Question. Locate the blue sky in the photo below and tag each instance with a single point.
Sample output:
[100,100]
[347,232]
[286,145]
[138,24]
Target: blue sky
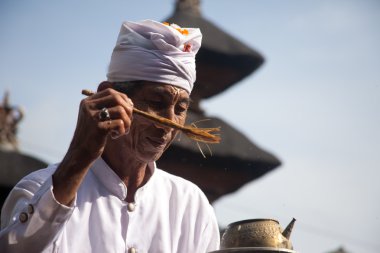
[315,103]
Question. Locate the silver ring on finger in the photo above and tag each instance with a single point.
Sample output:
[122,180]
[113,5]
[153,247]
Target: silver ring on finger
[104,115]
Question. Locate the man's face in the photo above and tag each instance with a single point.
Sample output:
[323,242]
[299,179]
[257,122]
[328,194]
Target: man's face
[147,140]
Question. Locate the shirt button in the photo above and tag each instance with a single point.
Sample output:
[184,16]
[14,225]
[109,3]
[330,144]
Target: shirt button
[132,250]
[30,209]
[23,217]
[131,207]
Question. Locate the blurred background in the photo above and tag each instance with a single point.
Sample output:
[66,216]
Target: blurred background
[314,103]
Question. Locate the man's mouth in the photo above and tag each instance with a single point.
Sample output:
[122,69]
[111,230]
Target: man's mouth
[156,141]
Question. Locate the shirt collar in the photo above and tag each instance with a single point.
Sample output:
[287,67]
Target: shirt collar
[112,182]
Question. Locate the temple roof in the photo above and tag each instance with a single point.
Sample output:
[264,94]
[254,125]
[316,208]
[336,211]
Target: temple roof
[223,60]
[234,162]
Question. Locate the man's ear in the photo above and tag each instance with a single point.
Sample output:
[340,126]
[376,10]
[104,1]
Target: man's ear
[104,85]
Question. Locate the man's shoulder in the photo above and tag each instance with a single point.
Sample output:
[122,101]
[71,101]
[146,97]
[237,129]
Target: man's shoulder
[38,176]
[180,185]
[164,175]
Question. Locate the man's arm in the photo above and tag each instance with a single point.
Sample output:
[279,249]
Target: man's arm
[53,199]
[211,234]
[31,218]
[90,139]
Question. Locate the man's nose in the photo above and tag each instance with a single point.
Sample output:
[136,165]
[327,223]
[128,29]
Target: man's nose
[169,114]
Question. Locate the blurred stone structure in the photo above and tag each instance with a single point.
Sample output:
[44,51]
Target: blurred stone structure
[221,62]
[339,250]
[13,164]
[9,118]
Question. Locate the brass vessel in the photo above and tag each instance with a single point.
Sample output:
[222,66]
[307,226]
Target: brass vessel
[263,233]
[254,250]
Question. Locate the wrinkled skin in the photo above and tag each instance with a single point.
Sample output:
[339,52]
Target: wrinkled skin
[139,140]
[146,140]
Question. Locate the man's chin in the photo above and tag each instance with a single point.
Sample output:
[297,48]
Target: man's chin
[151,156]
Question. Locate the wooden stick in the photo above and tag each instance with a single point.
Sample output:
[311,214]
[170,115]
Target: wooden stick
[198,134]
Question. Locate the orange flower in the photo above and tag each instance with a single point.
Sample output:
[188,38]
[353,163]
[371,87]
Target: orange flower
[183,31]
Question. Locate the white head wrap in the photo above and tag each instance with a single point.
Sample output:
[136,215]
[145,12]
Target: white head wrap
[154,51]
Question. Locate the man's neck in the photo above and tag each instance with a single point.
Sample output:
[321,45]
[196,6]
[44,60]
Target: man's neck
[132,172]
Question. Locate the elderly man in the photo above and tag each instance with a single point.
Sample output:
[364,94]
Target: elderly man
[107,194]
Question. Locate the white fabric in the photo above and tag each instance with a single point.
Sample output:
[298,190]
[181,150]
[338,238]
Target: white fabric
[152,51]
[171,215]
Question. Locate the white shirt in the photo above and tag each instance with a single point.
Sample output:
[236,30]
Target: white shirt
[170,214]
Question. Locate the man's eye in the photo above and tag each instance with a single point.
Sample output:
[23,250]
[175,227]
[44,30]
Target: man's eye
[180,109]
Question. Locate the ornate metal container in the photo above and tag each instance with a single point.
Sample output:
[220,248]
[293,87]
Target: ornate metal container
[254,250]
[263,233]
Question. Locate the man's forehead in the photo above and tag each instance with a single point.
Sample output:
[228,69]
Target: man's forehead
[155,87]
